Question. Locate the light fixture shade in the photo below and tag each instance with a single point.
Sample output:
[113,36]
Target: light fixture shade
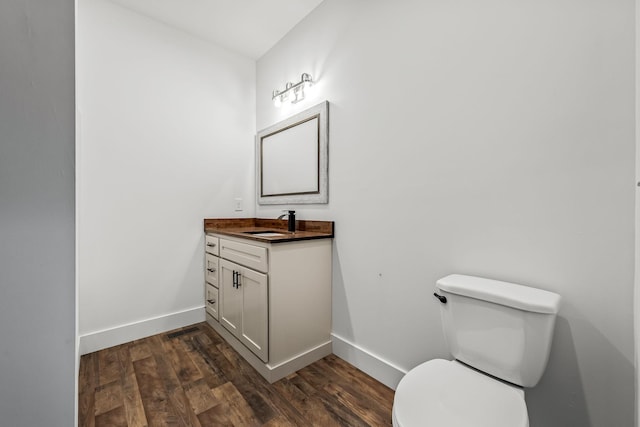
[298,94]
[276,98]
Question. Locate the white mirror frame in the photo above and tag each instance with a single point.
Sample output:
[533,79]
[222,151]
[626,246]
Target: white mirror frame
[316,157]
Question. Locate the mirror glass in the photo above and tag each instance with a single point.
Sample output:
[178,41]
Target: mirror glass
[292,159]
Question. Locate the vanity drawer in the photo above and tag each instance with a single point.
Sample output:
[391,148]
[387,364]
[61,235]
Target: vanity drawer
[211,301]
[211,269]
[251,256]
[211,244]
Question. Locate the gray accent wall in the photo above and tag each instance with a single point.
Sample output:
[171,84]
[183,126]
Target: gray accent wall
[37,213]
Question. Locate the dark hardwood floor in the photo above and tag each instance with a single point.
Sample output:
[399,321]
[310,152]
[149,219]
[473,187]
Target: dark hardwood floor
[192,377]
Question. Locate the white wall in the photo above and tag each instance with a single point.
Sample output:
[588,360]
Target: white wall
[167,125]
[493,138]
[37,280]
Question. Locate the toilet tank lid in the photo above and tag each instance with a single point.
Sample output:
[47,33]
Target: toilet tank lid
[509,294]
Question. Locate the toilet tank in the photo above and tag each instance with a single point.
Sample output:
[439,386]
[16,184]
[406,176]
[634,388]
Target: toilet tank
[500,328]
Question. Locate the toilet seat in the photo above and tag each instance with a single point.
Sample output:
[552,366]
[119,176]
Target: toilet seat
[443,393]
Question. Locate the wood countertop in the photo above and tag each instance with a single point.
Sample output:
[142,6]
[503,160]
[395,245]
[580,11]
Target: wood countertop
[242,227]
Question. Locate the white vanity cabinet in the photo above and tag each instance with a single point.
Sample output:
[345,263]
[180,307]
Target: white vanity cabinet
[274,301]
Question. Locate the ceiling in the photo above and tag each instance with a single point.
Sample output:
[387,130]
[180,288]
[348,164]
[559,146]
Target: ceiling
[249,27]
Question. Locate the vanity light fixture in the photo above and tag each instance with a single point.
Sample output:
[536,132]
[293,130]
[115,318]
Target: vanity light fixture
[293,92]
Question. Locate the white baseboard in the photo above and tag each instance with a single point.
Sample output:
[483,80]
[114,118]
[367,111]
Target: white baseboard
[106,338]
[385,372]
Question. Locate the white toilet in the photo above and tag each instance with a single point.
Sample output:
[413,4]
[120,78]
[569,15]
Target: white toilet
[499,334]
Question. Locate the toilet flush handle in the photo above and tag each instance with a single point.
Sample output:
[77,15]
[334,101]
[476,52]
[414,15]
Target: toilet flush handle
[442,299]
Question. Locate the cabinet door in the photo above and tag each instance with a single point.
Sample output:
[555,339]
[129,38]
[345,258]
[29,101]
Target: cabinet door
[243,307]
[230,306]
[255,313]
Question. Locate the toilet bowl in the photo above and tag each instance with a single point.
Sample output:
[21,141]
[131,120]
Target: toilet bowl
[499,335]
[446,393]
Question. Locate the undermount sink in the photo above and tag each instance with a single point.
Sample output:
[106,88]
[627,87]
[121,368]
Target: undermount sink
[264,233]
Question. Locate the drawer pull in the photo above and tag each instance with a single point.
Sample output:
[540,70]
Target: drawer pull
[211,270]
[211,245]
[211,301]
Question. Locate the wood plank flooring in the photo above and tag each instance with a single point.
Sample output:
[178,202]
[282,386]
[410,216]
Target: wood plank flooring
[192,377]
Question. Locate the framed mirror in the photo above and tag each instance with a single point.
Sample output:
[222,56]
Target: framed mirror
[292,159]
